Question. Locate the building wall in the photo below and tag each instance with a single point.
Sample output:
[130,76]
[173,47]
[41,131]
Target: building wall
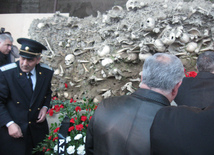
[18,24]
[78,8]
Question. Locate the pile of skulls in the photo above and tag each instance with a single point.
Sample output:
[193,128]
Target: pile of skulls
[99,57]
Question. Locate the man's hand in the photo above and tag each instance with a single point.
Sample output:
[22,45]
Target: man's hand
[42,115]
[15,131]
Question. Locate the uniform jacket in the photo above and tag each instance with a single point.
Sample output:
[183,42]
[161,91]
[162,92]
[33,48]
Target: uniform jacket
[121,125]
[197,91]
[183,131]
[17,103]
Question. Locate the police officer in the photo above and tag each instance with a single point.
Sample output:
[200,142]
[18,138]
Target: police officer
[25,96]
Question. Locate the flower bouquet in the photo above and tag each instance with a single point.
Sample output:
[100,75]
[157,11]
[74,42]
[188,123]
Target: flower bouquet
[79,114]
[190,73]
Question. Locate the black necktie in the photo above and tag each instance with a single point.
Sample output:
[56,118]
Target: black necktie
[30,80]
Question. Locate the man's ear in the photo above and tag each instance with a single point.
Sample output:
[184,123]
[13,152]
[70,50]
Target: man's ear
[175,89]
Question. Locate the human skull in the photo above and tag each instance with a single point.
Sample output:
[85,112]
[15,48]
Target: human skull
[149,24]
[191,47]
[106,61]
[168,38]
[40,25]
[143,56]
[104,50]
[184,38]
[69,59]
[134,4]
[159,46]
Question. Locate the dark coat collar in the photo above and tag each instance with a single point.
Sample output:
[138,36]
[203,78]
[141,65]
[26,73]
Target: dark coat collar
[152,96]
[205,75]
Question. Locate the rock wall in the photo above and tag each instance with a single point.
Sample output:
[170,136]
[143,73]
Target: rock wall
[102,56]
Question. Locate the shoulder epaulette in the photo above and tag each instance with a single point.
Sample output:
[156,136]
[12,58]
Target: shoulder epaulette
[8,67]
[46,66]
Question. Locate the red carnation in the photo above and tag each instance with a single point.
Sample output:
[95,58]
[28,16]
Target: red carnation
[83,118]
[51,112]
[50,137]
[57,108]
[90,117]
[191,74]
[55,139]
[66,86]
[71,128]
[54,98]
[56,130]
[71,100]
[77,108]
[79,127]
[72,120]
[95,107]
[61,106]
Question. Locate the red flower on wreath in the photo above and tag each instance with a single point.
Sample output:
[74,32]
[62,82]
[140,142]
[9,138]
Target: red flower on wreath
[71,100]
[77,108]
[55,139]
[191,74]
[90,118]
[51,112]
[71,128]
[66,86]
[56,130]
[50,137]
[54,98]
[79,127]
[61,106]
[72,120]
[83,118]
[57,108]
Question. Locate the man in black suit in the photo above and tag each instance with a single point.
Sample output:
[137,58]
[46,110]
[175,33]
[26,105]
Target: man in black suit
[7,55]
[198,91]
[121,125]
[183,130]
[25,96]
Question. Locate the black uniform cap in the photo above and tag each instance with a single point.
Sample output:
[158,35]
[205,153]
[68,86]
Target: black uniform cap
[30,48]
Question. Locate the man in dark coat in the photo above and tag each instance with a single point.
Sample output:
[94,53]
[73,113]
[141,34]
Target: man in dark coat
[121,125]
[6,43]
[198,91]
[24,100]
[183,130]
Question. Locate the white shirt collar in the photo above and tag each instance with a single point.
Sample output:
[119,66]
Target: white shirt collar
[33,71]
